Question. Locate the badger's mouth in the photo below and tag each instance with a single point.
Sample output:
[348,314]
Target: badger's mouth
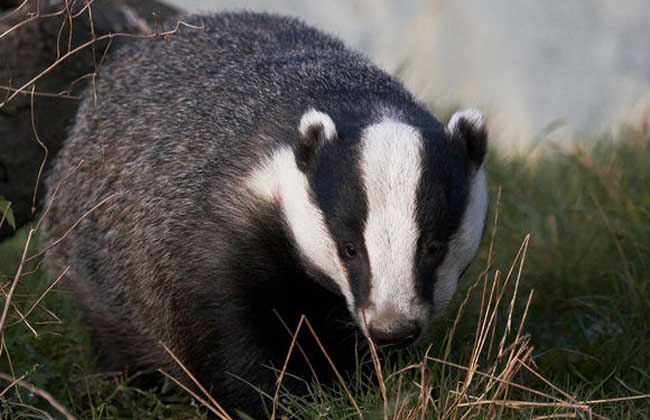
[389,330]
[396,339]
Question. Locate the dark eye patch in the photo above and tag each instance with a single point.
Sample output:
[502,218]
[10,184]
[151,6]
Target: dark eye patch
[433,251]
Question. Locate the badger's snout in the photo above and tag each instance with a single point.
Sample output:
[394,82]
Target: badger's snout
[390,327]
[401,334]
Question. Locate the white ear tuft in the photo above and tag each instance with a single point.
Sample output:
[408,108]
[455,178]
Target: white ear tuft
[468,126]
[472,116]
[313,119]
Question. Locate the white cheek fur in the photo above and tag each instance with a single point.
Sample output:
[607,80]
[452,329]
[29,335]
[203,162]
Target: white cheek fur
[278,179]
[464,243]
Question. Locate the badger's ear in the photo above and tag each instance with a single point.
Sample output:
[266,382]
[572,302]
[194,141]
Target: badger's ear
[315,128]
[468,126]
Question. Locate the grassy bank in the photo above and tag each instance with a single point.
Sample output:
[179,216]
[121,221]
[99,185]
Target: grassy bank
[577,224]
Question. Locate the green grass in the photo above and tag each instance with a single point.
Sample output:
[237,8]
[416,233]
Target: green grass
[588,263]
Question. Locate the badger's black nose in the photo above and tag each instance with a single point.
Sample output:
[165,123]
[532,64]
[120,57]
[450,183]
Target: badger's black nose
[400,335]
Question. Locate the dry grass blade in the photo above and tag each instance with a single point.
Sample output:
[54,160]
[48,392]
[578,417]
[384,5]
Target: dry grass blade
[57,95]
[24,22]
[193,394]
[488,318]
[41,144]
[40,298]
[26,322]
[11,385]
[482,277]
[617,399]
[41,393]
[276,396]
[15,10]
[5,213]
[88,44]
[14,283]
[378,370]
[571,415]
[71,228]
[496,378]
[54,193]
[336,371]
[548,383]
[522,258]
[216,406]
[300,349]
[10,363]
[425,390]
[518,404]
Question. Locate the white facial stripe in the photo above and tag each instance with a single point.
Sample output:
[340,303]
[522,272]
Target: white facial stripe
[312,118]
[279,179]
[391,168]
[464,243]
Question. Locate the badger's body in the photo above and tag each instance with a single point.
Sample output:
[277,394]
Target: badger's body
[254,171]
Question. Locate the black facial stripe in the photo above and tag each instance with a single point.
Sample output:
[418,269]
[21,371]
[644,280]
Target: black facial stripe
[442,198]
[337,183]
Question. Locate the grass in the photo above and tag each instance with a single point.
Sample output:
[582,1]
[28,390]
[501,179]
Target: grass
[586,335]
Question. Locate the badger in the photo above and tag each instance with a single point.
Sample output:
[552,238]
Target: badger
[219,184]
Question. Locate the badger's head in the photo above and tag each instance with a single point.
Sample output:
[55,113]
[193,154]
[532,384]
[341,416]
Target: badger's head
[389,214]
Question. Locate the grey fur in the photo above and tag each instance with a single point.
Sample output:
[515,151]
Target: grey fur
[178,124]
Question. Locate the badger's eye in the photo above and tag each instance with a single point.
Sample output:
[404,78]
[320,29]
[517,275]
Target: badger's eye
[434,249]
[349,251]
[435,246]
